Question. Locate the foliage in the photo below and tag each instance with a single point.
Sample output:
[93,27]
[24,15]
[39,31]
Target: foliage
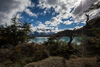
[55,38]
[65,52]
[90,46]
[57,47]
[14,34]
[23,54]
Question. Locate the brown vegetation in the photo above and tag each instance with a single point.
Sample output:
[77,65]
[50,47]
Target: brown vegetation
[61,62]
[49,62]
[83,62]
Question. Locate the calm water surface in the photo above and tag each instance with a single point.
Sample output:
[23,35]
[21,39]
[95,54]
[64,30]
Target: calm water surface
[39,40]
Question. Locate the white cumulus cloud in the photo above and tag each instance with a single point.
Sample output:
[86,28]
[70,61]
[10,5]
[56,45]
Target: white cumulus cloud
[9,8]
[30,13]
[64,7]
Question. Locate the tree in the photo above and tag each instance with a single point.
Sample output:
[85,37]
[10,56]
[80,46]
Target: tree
[71,37]
[15,33]
[87,18]
[55,37]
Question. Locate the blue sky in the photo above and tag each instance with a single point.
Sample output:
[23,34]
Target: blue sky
[43,17]
[54,15]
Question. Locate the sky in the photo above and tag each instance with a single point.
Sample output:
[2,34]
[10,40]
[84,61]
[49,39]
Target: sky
[48,15]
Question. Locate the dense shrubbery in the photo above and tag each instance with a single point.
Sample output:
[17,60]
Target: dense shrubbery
[58,48]
[23,54]
[26,53]
[90,46]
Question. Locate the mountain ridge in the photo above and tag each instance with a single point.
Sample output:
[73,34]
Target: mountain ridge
[85,30]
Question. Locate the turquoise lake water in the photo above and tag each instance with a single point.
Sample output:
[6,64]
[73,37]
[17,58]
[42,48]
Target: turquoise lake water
[39,40]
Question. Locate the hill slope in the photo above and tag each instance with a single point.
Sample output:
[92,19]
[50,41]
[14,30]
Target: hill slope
[86,30]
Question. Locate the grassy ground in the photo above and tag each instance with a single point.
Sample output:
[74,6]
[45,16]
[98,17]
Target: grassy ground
[61,62]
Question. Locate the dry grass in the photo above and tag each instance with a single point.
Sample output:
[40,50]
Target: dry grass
[56,62]
[61,62]
[49,62]
[82,62]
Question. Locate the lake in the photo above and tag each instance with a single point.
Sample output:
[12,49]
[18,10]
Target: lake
[39,40]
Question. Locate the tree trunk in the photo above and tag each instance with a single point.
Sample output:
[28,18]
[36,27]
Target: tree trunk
[70,41]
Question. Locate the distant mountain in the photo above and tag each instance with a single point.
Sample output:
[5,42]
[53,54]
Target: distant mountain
[42,34]
[86,30]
